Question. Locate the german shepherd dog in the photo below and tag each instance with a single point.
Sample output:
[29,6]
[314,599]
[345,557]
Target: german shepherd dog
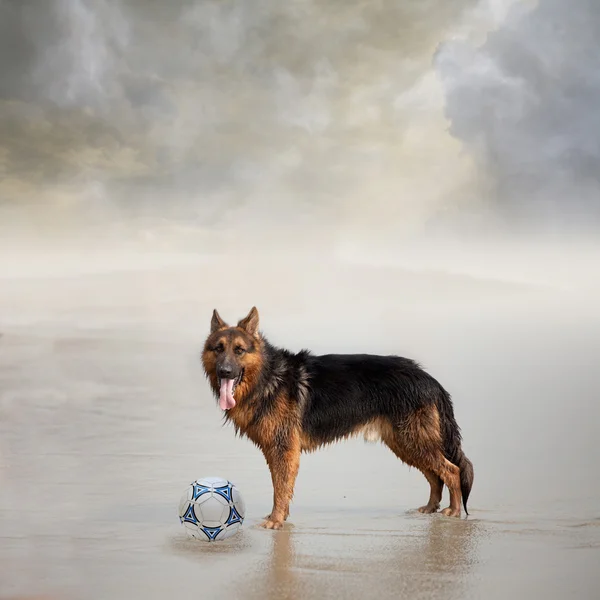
[290,403]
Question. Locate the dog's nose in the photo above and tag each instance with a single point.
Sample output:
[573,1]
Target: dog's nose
[225,372]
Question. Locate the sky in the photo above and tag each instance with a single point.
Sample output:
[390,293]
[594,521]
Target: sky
[351,120]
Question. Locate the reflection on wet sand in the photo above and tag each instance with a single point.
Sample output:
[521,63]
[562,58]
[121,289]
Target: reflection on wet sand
[280,576]
[431,553]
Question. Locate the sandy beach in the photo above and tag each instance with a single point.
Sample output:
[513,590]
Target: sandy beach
[105,418]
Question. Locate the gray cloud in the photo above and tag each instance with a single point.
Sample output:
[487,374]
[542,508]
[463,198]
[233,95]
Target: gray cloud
[197,109]
[527,104]
[245,93]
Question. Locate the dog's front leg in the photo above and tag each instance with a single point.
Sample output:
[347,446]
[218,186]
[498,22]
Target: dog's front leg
[283,460]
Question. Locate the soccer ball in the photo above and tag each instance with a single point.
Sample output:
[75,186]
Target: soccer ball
[211,509]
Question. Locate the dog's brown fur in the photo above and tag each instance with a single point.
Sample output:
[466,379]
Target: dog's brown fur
[275,402]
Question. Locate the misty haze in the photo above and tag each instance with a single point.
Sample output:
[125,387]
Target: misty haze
[419,178]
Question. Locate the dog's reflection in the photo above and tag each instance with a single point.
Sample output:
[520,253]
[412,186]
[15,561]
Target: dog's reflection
[370,565]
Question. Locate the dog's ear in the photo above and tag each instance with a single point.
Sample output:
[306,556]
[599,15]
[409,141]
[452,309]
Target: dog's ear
[250,323]
[216,322]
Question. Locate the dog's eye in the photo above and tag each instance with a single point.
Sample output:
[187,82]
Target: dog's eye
[219,348]
[239,350]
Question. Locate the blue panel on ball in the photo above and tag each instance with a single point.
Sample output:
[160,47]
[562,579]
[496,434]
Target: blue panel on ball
[211,532]
[199,490]
[224,491]
[190,516]
[233,517]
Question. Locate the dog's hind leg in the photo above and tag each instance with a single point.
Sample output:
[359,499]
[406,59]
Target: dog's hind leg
[450,475]
[435,481]
[417,441]
[435,496]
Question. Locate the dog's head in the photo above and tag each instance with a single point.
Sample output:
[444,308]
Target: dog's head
[232,357]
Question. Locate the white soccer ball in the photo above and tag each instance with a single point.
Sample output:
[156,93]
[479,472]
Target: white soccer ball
[211,509]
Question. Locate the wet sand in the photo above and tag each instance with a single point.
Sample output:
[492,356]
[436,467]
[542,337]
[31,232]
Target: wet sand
[105,418]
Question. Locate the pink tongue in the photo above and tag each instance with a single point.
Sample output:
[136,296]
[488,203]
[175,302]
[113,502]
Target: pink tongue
[226,400]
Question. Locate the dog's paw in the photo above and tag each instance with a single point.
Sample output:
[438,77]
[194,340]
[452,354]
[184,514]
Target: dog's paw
[270,523]
[450,512]
[268,517]
[428,509]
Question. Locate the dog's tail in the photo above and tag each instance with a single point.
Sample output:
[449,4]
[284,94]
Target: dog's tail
[453,446]
[466,477]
